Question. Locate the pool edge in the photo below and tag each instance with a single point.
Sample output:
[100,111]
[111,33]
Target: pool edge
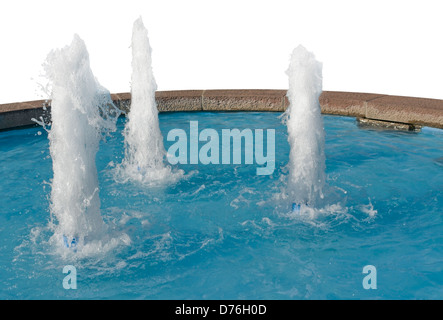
[381,107]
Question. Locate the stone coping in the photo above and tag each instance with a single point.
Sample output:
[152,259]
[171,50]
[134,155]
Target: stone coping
[372,106]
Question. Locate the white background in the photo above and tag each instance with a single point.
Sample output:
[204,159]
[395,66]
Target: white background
[390,47]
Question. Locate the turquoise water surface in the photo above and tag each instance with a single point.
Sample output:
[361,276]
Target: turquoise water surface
[223,232]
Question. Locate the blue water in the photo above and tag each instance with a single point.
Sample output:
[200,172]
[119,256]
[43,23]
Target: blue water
[223,233]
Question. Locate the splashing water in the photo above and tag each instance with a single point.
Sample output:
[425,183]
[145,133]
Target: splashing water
[144,149]
[305,130]
[82,113]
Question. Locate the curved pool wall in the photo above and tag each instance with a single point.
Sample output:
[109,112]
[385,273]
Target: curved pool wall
[398,111]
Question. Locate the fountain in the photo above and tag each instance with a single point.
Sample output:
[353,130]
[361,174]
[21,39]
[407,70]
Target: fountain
[305,130]
[144,149]
[82,113]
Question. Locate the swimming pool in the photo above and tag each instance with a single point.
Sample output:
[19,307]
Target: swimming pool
[222,232]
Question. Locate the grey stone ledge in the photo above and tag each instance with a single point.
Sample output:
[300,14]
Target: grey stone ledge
[388,108]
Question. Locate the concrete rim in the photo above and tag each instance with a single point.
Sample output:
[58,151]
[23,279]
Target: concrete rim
[372,106]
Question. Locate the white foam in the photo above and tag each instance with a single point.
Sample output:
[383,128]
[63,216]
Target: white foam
[369,209]
[82,113]
[144,149]
[306,177]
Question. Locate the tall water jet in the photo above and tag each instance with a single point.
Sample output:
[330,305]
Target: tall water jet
[144,149]
[305,130]
[82,112]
